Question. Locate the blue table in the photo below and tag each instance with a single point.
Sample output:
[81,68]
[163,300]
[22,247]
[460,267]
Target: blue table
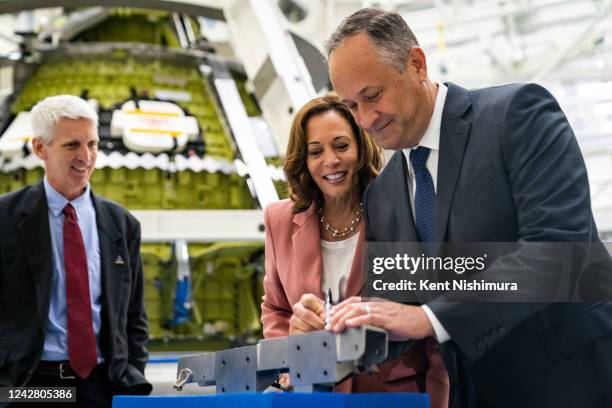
[278,400]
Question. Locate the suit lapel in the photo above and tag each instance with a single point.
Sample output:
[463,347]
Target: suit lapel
[307,250]
[454,131]
[110,251]
[397,189]
[35,238]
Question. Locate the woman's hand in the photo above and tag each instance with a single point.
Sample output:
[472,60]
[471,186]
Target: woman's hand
[285,382]
[308,315]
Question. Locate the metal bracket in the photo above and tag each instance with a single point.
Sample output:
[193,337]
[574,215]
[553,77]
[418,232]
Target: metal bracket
[201,367]
[316,361]
[236,370]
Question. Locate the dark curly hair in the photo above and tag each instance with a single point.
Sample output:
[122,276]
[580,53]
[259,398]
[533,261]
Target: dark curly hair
[302,188]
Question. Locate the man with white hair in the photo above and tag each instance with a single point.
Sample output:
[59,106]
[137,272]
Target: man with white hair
[71,279]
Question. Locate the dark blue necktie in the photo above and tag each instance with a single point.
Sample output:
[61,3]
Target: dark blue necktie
[424,196]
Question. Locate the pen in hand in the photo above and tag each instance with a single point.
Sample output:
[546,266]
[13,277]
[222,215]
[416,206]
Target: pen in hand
[328,305]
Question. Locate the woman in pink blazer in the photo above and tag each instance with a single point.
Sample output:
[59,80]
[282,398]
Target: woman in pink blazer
[316,240]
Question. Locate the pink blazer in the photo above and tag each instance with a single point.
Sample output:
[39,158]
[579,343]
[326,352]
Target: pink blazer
[294,267]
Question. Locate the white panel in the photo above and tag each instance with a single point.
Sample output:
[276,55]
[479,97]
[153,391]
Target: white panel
[201,225]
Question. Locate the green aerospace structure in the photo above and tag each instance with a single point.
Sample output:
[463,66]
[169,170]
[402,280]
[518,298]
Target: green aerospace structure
[128,59]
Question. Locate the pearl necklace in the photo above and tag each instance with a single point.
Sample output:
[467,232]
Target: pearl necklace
[335,232]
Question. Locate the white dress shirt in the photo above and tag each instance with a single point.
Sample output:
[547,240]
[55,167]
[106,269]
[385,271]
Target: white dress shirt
[431,140]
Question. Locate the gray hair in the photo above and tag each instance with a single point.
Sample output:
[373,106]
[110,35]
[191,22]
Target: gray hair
[46,114]
[386,29]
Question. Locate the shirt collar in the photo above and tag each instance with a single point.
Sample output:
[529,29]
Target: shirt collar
[56,201]
[431,137]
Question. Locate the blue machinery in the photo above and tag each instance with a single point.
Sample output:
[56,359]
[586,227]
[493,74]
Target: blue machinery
[316,361]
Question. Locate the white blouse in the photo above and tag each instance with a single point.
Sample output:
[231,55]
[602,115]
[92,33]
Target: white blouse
[337,257]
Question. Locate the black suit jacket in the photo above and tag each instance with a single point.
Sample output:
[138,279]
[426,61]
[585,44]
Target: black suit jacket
[25,282]
[509,170]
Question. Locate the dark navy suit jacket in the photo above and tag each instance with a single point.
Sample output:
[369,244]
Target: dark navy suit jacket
[25,273]
[509,170]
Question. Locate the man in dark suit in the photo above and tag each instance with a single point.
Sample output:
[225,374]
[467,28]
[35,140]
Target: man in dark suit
[71,279]
[491,165]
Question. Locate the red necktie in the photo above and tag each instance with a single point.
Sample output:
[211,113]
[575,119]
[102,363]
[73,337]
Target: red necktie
[81,339]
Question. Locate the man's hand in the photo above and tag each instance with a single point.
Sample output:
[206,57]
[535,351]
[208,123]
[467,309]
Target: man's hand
[402,322]
[308,315]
